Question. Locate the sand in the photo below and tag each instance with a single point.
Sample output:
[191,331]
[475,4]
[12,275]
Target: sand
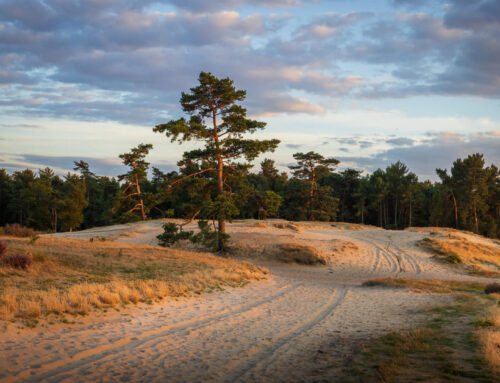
[302,324]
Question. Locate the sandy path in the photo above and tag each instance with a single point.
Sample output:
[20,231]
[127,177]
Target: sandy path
[301,325]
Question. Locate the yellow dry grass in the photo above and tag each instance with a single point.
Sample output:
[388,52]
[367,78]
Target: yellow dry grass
[341,247]
[286,225]
[78,276]
[299,253]
[490,340]
[279,247]
[457,249]
[427,285]
[438,230]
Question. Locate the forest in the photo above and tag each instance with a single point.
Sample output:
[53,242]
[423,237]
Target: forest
[393,198]
[219,182]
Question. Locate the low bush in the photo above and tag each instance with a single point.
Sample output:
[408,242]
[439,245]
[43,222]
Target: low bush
[207,236]
[291,252]
[492,288]
[18,261]
[453,258]
[16,230]
[3,248]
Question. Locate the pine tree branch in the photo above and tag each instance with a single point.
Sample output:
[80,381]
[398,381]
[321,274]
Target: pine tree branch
[191,175]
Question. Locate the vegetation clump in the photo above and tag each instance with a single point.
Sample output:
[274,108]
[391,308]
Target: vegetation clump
[18,261]
[304,254]
[492,288]
[3,248]
[17,230]
[207,237]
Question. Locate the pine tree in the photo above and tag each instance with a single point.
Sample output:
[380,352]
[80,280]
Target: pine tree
[310,167]
[73,203]
[137,174]
[220,123]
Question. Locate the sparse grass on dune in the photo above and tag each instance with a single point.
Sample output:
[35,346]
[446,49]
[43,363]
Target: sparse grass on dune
[77,276]
[459,341]
[433,230]
[281,248]
[489,337]
[428,285]
[483,258]
[342,247]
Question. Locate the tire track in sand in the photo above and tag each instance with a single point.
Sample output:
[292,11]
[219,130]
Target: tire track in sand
[263,355]
[388,257]
[408,258]
[110,351]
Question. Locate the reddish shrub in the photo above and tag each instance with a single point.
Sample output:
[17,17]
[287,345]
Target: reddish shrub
[18,261]
[492,288]
[3,248]
[17,230]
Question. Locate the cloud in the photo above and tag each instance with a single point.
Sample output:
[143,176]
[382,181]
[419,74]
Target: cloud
[473,14]
[110,167]
[293,146]
[401,141]
[438,152]
[329,25]
[128,60]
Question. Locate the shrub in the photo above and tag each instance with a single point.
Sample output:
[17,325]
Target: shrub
[172,235]
[483,322]
[17,230]
[3,248]
[18,261]
[453,258]
[207,236]
[492,288]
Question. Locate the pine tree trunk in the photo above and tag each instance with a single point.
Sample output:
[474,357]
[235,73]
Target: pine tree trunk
[311,193]
[380,213]
[455,207]
[475,218]
[220,180]
[141,203]
[410,211]
[396,214]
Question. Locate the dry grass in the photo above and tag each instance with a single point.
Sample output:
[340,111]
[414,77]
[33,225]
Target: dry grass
[485,258]
[294,252]
[281,247]
[259,225]
[341,247]
[490,339]
[440,230]
[286,225]
[78,276]
[427,285]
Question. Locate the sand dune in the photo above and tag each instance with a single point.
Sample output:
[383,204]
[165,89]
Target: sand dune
[301,325]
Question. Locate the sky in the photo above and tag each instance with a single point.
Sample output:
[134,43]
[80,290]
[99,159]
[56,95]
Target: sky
[366,82]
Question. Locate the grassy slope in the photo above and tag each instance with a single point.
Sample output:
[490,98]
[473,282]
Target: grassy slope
[482,258]
[77,276]
[459,342]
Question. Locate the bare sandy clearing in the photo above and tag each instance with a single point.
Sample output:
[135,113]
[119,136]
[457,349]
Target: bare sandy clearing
[274,330]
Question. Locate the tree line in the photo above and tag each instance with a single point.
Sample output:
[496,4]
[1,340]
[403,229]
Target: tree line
[215,183]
